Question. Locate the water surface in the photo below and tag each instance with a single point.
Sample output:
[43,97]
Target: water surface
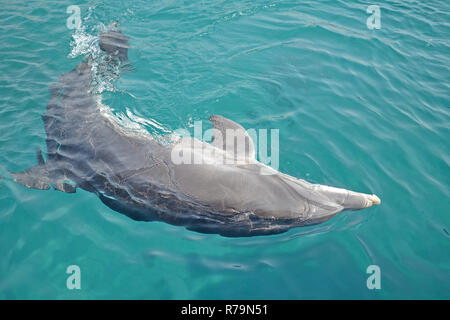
[361,109]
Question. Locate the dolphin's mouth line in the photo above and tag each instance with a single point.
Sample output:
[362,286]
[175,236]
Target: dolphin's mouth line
[305,199]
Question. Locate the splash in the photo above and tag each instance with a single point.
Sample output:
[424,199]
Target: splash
[84,44]
[105,69]
[130,124]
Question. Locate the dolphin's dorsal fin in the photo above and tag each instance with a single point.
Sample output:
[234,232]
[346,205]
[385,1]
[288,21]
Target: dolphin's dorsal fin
[232,138]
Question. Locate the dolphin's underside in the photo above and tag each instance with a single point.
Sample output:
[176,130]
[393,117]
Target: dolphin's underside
[132,173]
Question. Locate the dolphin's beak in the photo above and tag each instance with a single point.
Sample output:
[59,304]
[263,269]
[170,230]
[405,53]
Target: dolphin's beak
[350,200]
[372,199]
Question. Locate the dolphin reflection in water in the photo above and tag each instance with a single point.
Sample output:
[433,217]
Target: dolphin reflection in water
[135,174]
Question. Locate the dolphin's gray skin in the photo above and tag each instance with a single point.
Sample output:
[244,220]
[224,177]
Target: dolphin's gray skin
[134,174]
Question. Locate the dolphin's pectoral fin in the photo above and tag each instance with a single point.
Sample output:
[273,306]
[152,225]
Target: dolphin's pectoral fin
[39,156]
[39,177]
[42,176]
[35,177]
[226,132]
[65,187]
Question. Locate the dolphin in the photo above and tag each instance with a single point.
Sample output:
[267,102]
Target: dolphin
[136,175]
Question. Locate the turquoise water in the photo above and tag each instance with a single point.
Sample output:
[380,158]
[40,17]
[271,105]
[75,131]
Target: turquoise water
[361,109]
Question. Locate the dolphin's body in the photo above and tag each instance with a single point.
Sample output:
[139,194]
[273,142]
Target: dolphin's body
[135,174]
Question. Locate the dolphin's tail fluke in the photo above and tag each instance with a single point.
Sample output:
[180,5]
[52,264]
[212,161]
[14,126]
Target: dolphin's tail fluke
[114,42]
[350,200]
